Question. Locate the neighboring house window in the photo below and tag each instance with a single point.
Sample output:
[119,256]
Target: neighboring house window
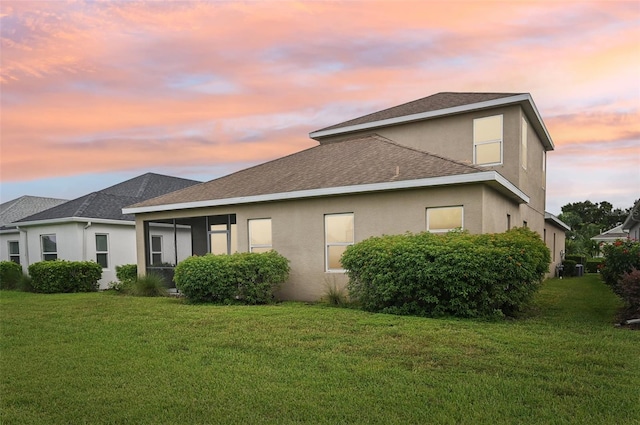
[102,251]
[338,236]
[49,247]
[14,251]
[260,235]
[524,144]
[444,219]
[156,250]
[487,140]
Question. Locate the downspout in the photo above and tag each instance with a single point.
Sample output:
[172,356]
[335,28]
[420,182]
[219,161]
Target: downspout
[84,241]
[26,248]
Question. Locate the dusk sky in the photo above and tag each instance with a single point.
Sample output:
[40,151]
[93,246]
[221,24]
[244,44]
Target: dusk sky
[94,93]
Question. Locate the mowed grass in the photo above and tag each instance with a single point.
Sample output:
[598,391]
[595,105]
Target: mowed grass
[102,359]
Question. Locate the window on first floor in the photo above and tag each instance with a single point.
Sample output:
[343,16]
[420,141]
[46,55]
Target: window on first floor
[102,250]
[444,219]
[487,140]
[14,251]
[260,235]
[49,247]
[339,234]
[156,250]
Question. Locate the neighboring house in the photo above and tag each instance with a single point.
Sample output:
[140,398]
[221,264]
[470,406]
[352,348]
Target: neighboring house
[475,161]
[554,236]
[12,211]
[610,236]
[632,224]
[93,228]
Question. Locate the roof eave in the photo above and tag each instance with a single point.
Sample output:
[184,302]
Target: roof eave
[556,221]
[66,220]
[524,99]
[493,178]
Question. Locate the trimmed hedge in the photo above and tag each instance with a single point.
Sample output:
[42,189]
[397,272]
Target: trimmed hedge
[593,265]
[127,272]
[248,278]
[569,268]
[65,276]
[10,275]
[578,259]
[454,274]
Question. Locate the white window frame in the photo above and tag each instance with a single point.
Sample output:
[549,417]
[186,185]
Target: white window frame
[98,252]
[487,142]
[523,141]
[152,252]
[13,256]
[440,208]
[265,247]
[48,252]
[328,244]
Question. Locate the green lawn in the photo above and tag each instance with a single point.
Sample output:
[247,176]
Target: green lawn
[97,358]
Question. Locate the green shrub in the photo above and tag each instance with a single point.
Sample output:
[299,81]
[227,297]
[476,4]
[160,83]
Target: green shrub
[150,285]
[593,265]
[619,257]
[569,268]
[578,259]
[628,288]
[25,284]
[250,278]
[10,275]
[127,272]
[65,276]
[454,274]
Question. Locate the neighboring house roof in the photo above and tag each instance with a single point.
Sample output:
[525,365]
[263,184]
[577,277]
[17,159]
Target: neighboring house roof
[24,206]
[438,105]
[612,234]
[550,218]
[633,218]
[366,164]
[107,204]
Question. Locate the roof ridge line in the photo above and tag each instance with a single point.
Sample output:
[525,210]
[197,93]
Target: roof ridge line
[86,203]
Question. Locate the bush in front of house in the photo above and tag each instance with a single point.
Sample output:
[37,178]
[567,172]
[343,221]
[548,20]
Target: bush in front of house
[593,264]
[249,278]
[620,272]
[65,276]
[455,274]
[578,259]
[127,272]
[569,268]
[619,257]
[10,275]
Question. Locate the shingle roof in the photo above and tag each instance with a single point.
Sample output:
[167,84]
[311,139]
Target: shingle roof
[434,102]
[366,160]
[108,203]
[25,206]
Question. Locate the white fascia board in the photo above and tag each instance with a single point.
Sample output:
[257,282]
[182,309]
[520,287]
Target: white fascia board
[520,98]
[66,220]
[481,177]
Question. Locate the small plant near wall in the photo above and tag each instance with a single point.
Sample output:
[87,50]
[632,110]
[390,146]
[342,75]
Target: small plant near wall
[335,294]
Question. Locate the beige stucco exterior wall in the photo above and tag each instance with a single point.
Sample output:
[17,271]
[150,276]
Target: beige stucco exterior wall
[452,137]
[298,226]
[554,237]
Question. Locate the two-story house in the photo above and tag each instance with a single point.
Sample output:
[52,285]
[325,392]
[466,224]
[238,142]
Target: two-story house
[475,161]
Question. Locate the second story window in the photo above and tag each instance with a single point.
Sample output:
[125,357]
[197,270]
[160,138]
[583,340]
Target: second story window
[523,141]
[487,140]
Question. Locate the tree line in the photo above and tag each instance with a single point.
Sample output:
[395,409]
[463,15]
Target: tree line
[588,219]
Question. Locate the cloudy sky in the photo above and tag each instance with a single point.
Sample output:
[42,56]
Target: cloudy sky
[94,93]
